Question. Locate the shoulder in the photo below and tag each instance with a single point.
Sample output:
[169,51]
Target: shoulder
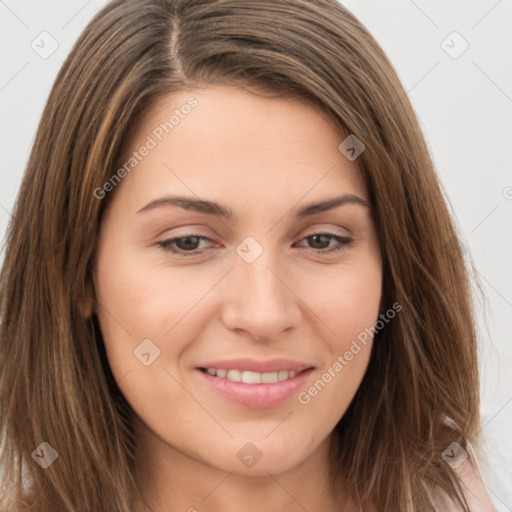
[472,482]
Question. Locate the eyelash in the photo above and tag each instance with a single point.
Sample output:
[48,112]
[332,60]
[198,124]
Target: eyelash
[167,245]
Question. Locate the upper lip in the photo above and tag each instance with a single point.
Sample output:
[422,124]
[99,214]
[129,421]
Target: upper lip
[253,365]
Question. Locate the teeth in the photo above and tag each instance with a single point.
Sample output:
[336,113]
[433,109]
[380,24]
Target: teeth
[282,375]
[251,377]
[248,377]
[234,375]
[269,378]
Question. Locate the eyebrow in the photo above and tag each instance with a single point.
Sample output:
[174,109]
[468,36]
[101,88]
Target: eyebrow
[218,210]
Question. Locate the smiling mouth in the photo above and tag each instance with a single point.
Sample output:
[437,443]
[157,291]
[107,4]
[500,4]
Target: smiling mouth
[248,377]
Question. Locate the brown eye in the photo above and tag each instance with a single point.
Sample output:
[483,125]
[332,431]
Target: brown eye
[185,245]
[320,242]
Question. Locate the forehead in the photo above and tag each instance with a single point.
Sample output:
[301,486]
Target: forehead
[226,141]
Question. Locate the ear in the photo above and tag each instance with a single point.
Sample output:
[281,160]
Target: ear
[86,303]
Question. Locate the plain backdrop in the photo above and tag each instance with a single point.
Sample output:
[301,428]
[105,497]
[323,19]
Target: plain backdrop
[455,61]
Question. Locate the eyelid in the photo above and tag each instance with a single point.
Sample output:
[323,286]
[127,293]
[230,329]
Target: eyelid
[300,234]
[323,229]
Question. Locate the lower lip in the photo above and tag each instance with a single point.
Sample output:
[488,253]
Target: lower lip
[257,396]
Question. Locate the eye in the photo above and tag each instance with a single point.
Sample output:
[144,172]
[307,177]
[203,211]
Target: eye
[320,243]
[186,245]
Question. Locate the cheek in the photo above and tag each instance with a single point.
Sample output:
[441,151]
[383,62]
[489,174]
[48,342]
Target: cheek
[139,311]
[348,308]
[139,300]
[355,305]
[347,302]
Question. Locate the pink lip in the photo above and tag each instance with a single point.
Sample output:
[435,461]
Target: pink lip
[256,396]
[252,365]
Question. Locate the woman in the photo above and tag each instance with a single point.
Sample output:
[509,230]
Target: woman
[231,278]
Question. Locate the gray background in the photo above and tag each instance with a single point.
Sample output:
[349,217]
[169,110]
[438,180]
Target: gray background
[463,100]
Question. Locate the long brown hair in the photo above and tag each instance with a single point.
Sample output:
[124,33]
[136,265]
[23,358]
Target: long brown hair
[421,390]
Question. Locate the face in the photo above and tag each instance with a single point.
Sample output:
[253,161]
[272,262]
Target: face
[241,275]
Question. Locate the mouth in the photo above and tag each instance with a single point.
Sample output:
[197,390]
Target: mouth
[250,377]
[255,390]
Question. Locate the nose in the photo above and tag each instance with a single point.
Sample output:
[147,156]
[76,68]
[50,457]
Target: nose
[259,300]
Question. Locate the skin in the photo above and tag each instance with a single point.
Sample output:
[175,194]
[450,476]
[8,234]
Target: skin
[263,158]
